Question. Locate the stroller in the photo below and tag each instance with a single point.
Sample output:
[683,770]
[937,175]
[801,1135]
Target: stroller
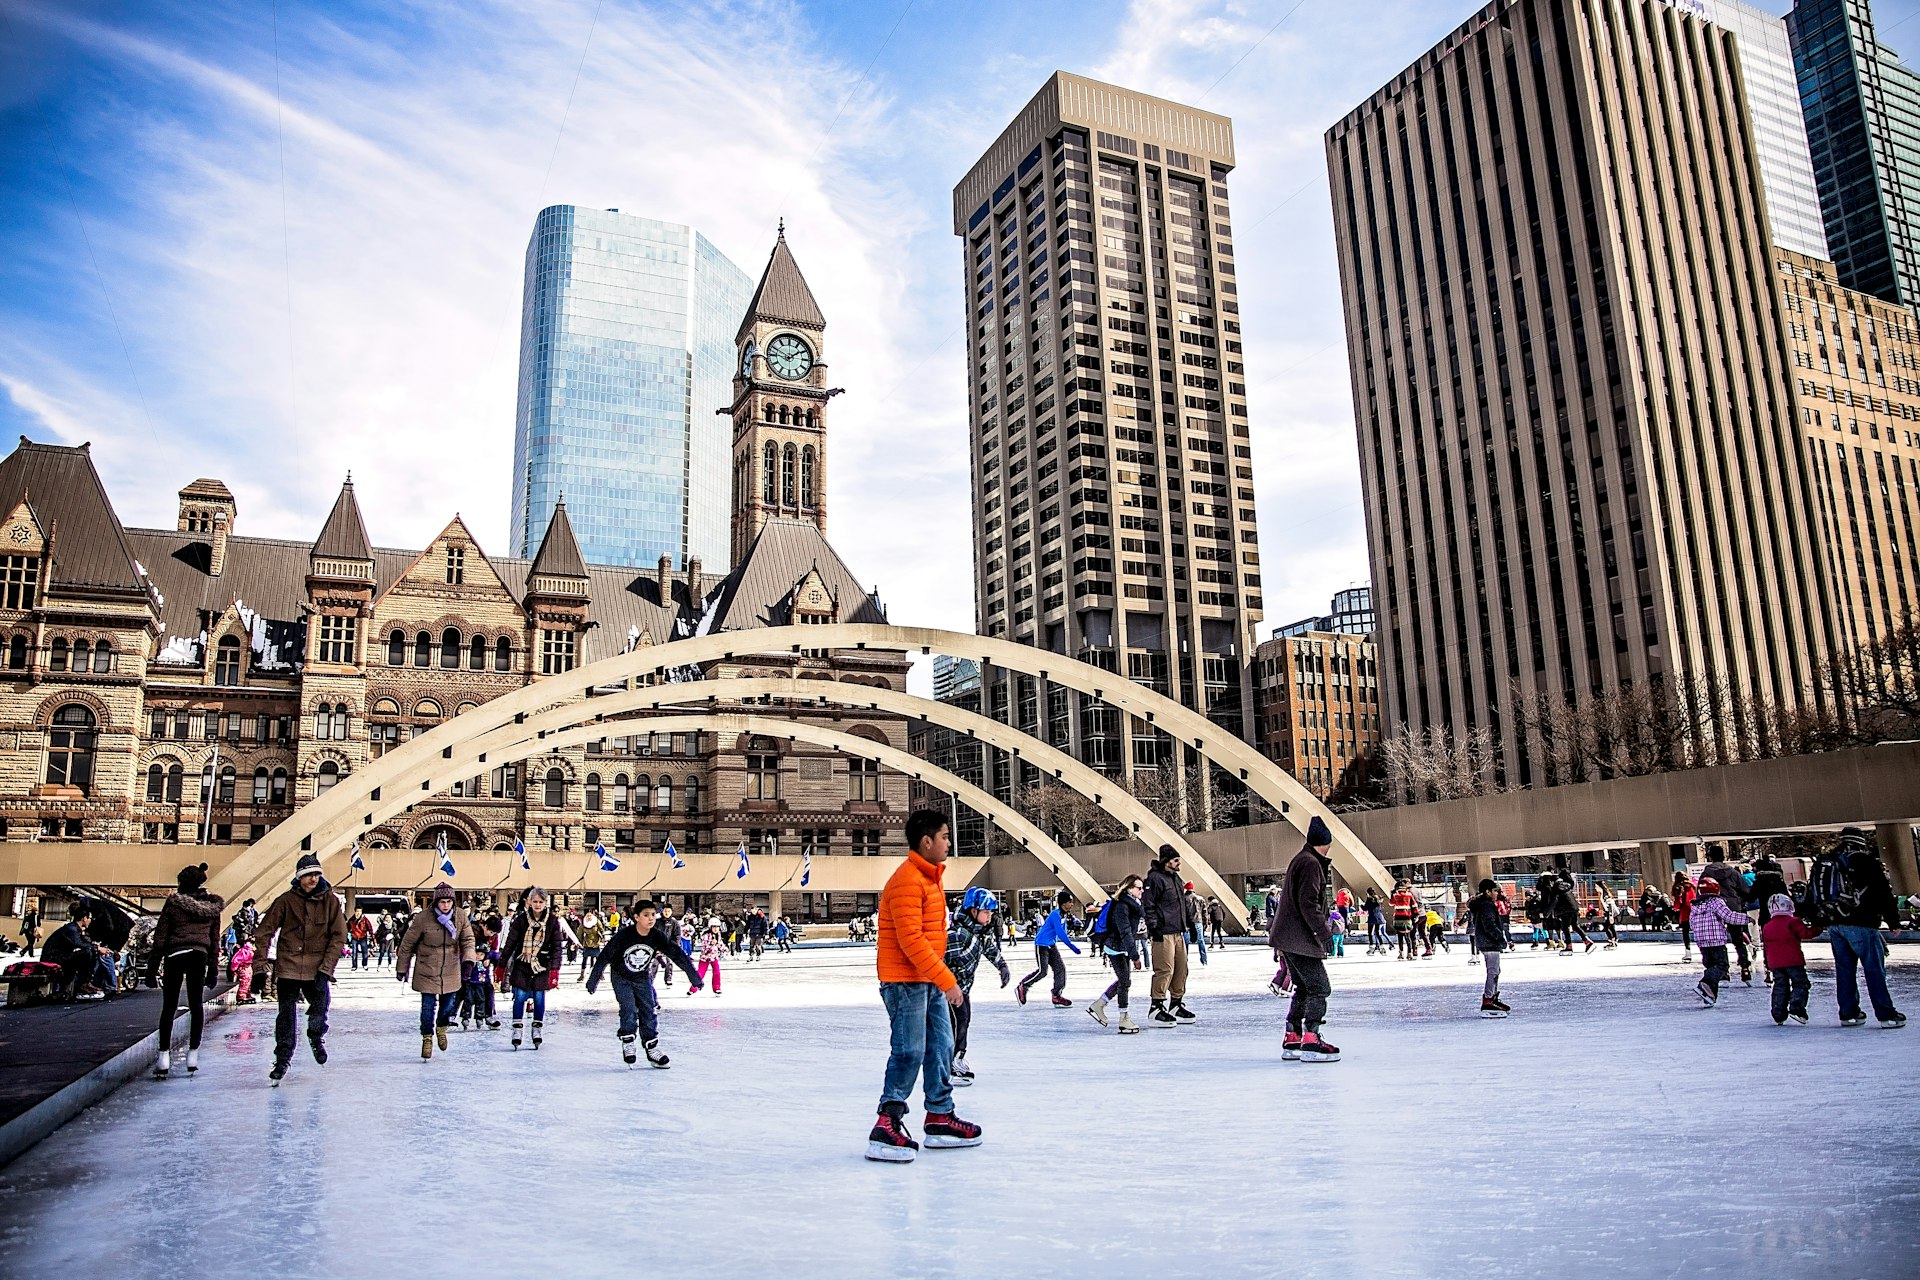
[133,960]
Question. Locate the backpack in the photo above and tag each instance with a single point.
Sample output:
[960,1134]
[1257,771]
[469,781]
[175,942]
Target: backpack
[1100,924]
[1831,892]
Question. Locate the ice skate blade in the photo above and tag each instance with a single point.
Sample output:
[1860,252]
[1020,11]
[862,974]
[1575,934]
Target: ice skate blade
[937,1142]
[1492,1013]
[1319,1057]
[886,1154]
[961,1082]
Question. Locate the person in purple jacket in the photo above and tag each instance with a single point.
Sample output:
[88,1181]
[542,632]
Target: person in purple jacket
[1046,954]
[1713,921]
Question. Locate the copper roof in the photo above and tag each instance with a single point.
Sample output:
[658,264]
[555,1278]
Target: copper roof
[783,294]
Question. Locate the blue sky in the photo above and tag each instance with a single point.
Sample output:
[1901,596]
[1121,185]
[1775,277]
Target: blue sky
[274,243]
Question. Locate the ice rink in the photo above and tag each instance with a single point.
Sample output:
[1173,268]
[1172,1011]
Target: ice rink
[1611,1127]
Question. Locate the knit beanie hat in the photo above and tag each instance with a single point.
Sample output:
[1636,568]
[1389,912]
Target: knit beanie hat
[1317,833]
[1488,886]
[443,892]
[309,864]
[191,878]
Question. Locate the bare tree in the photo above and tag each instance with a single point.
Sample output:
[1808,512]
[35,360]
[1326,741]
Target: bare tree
[1066,815]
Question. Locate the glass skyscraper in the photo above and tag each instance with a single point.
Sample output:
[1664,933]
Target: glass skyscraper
[1862,107]
[1779,132]
[626,351]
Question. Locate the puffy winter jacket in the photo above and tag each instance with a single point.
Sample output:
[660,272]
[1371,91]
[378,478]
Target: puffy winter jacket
[1300,924]
[1489,927]
[433,955]
[913,925]
[188,921]
[1164,902]
[312,929]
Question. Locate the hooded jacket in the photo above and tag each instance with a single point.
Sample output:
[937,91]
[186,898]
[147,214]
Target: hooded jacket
[312,929]
[1489,930]
[1300,923]
[189,921]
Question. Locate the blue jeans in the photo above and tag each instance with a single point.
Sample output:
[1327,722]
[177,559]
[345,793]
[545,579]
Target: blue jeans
[432,1006]
[537,998]
[922,1045]
[639,1007]
[1197,938]
[1851,943]
[359,947]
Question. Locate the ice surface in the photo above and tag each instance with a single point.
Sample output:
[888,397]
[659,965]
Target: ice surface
[1609,1128]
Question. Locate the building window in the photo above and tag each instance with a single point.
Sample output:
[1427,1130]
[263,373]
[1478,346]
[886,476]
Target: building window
[19,580]
[397,648]
[808,497]
[556,796]
[340,722]
[789,497]
[422,650]
[866,843]
[693,795]
[769,467]
[663,794]
[556,652]
[763,842]
[228,776]
[337,634]
[477,654]
[156,783]
[763,777]
[456,566]
[450,650]
[593,793]
[503,654]
[17,653]
[70,748]
[506,782]
[260,784]
[329,775]
[382,738]
[279,786]
[57,656]
[623,793]
[863,780]
[814,841]
[176,783]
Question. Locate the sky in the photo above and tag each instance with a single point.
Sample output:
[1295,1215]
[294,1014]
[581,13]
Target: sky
[277,242]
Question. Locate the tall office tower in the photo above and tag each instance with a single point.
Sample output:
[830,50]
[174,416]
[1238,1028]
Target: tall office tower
[1862,107]
[626,356]
[1577,448]
[1779,131]
[1856,382]
[1112,473]
[1351,614]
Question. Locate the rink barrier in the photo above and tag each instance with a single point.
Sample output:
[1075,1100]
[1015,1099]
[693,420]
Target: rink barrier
[30,1127]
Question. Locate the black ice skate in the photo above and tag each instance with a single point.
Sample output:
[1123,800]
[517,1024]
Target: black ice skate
[626,1050]
[1491,1008]
[889,1141]
[945,1129]
[654,1055]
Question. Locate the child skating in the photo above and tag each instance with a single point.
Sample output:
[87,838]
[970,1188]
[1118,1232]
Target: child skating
[1046,954]
[1116,935]
[711,949]
[1713,920]
[971,938]
[631,955]
[1780,939]
[1487,926]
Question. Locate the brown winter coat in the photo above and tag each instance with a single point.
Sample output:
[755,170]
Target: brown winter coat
[434,957]
[313,931]
[188,922]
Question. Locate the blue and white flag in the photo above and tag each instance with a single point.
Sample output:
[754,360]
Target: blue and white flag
[806,867]
[355,862]
[521,849]
[673,856]
[446,860]
[741,873]
[607,861]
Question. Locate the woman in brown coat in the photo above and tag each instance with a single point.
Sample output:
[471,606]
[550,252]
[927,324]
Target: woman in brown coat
[185,952]
[437,942]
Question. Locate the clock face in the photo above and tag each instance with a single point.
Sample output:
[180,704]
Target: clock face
[746,361]
[789,357]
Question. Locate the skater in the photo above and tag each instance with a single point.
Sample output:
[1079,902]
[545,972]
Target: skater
[1164,904]
[1376,923]
[1403,910]
[1336,934]
[1216,922]
[1119,942]
[1196,923]
[1713,921]
[670,926]
[1684,895]
[29,931]
[359,939]
[1436,933]
[476,990]
[630,957]
[1299,930]
[1853,895]
[532,952]
[1733,891]
[711,949]
[971,939]
[1487,927]
[1780,939]
[383,941]
[593,936]
[437,945]
[240,969]
[756,934]
[783,936]
[1046,953]
[913,981]
[185,951]
[300,939]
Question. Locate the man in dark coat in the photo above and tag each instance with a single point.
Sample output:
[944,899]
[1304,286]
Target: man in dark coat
[1300,932]
[1164,903]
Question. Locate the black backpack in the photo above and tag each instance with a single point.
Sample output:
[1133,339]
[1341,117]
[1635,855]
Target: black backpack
[1833,890]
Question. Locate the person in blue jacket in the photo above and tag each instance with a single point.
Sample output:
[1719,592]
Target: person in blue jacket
[1046,954]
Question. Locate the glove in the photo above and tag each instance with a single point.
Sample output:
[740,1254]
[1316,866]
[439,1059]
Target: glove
[399,975]
[591,987]
[1006,976]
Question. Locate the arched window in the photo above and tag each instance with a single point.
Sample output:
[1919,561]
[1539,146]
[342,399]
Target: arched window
[57,658]
[427,709]
[156,783]
[788,497]
[397,648]
[260,785]
[102,658]
[279,786]
[340,722]
[82,655]
[768,413]
[593,793]
[70,748]
[423,650]
[663,794]
[503,654]
[477,654]
[324,781]
[227,777]
[622,793]
[206,782]
[807,496]
[693,795]
[769,466]
[17,653]
[556,796]
[450,650]
[323,722]
[176,783]
[226,664]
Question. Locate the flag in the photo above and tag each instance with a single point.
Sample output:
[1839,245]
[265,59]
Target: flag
[806,866]
[607,861]
[673,856]
[521,849]
[355,862]
[446,859]
[741,873]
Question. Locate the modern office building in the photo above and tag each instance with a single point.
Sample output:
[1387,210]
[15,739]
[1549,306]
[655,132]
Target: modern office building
[626,356]
[1112,467]
[1319,705]
[1779,132]
[1578,455]
[1856,382]
[1350,614]
[1862,109]
[954,675]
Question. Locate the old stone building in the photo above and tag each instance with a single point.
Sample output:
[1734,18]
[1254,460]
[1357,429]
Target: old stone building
[192,685]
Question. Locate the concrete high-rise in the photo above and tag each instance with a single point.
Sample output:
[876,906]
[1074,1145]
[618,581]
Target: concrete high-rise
[1578,454]
[1862,108]
[626,355]
[1112,468]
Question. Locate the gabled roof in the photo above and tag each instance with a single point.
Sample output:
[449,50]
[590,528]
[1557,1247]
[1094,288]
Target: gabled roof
[59,484]
[783,294]
[559,555]
[344,536]
[759,592]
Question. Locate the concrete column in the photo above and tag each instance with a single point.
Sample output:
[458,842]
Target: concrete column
[1479,867]
[1656,863]
[1896,846]
[775,901]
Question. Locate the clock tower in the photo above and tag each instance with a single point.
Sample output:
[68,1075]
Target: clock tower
[779,405]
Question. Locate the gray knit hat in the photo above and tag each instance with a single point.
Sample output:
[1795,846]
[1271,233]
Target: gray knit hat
[309,864]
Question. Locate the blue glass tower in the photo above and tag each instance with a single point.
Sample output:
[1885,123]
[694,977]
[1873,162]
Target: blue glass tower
[626,350]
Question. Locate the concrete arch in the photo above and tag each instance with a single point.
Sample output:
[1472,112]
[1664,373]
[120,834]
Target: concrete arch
[381,811]
[1273,784]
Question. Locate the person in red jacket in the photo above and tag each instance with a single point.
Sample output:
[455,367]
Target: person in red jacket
[1684,895]
[916,987]
[1780,939]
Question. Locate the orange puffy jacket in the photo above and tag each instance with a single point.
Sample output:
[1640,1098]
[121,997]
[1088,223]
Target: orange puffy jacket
[913,925]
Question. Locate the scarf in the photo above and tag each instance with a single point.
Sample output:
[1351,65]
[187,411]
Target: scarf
[446,919]
[534,941]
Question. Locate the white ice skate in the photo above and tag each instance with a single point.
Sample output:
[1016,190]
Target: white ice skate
[1098,1011]
[193,1062]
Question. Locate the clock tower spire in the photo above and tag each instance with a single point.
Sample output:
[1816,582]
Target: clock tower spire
[779,404]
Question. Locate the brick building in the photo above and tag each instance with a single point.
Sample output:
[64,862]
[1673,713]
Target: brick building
[1319,697]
